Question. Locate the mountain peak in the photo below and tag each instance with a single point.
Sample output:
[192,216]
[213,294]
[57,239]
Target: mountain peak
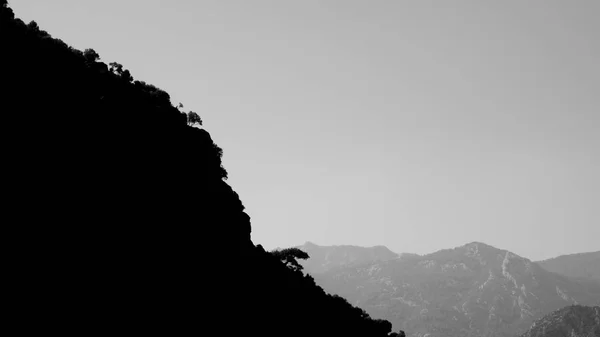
[475,289]
[476,248]
[481,245]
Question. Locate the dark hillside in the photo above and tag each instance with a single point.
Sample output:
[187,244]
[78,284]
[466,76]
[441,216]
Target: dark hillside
[118,214]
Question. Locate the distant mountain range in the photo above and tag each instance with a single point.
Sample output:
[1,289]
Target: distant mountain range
[583,265]
[571,321]
[324,258]
[472,290]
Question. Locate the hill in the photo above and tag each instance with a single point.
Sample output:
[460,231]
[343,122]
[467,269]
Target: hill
[118,215]
[324,258]
[472,290]
[572,321]
[581,266]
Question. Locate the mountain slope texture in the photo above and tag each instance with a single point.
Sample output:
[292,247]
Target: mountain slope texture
[570,321]
[472,290]
[581,266]
[324,258]
[118,217]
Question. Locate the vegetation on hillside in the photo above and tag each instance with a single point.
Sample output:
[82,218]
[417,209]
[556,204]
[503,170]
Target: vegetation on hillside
[573,320]
[121,219]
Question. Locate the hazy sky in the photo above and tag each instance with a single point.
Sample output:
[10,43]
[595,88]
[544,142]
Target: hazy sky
[418,125]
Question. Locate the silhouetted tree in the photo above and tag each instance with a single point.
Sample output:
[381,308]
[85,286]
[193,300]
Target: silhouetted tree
[193,118]
[290,256]
[117,68]
[126,75]
[91,55]
[33,26]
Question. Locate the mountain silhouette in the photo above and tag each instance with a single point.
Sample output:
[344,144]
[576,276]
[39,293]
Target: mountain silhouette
[118,216]
[472,290]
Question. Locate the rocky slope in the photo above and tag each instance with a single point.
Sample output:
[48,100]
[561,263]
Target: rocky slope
[581,266]
[571,321]
[473,290]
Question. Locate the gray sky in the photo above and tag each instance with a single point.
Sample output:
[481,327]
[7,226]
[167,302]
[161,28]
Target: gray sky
[418,125]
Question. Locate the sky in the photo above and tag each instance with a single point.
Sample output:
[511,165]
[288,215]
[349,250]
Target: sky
[418,125]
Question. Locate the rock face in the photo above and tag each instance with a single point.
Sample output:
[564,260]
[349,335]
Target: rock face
[571,321]
[473,290]
[324,258]
[581,266]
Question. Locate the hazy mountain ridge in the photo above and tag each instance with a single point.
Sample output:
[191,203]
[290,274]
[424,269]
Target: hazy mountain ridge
[572,321]
[472,290]
[324,258]
[581,265]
